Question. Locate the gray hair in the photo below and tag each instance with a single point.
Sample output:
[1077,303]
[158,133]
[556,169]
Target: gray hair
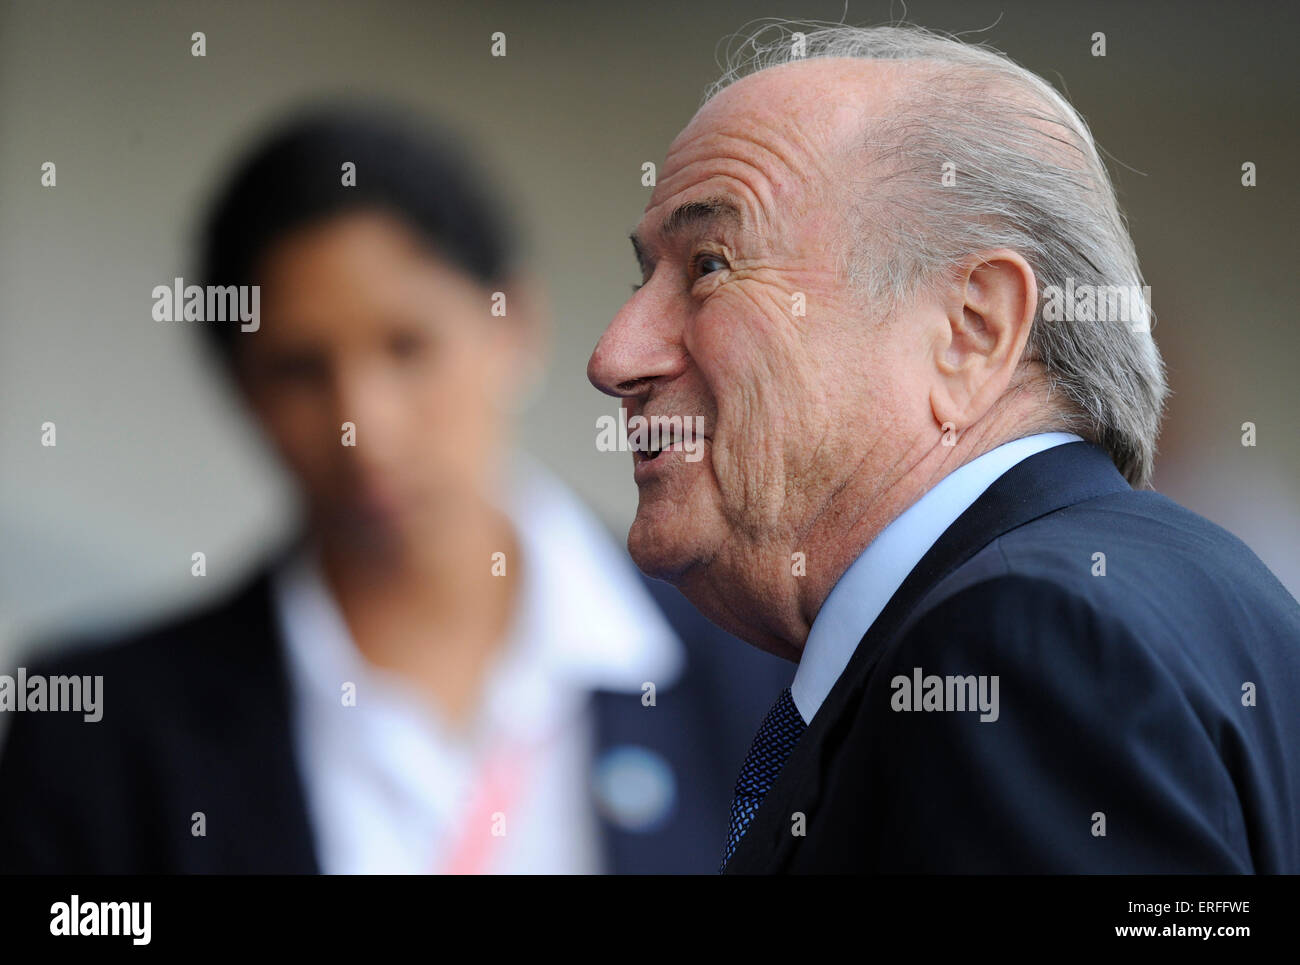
[1028,177]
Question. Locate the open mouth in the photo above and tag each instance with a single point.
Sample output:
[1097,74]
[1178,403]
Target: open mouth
[650,453]
[665,434]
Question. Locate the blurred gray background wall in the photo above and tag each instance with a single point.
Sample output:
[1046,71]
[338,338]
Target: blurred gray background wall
[152,460]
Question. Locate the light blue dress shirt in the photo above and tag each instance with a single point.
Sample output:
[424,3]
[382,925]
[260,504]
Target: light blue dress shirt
[867,585]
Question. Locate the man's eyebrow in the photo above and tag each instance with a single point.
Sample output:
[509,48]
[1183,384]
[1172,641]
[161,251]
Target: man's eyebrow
[694,214]
[691,214]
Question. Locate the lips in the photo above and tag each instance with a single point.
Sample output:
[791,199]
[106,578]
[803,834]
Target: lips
[675,440]
[650,455]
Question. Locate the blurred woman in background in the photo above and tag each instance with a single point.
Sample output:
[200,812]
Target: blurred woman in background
[453,668]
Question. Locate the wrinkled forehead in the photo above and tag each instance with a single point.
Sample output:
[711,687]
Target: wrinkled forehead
[775,141]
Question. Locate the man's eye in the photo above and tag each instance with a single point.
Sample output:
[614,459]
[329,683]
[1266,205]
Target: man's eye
[707,263]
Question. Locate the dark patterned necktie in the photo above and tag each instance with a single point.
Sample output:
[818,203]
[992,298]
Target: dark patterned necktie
[776,737]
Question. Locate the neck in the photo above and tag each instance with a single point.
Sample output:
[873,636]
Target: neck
[433,565]
[764,603]
[428,606]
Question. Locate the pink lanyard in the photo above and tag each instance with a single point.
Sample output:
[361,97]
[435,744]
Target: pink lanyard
[500,781]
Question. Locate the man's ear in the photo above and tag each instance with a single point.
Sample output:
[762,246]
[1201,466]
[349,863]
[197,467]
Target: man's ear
[988,310]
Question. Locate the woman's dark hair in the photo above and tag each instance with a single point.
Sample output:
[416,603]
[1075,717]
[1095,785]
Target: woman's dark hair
[294,177]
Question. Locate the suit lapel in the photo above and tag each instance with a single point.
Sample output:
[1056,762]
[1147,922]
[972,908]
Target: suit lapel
[242,761]
[1045,482]
[669,823]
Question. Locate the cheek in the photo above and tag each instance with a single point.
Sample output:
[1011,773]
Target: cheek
[743,348]
[754,362]
[454,413]
[305,438]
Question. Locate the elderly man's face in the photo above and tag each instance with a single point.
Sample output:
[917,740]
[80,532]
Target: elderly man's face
[744,318]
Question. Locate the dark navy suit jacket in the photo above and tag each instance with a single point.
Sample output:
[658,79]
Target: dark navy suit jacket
[1149,719]
[197,718]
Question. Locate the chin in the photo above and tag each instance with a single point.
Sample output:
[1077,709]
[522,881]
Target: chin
[661,547]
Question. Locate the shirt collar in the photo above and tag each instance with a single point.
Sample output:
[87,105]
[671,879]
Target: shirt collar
[864,589]
[584,608]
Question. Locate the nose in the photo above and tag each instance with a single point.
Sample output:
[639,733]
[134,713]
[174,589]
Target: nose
[371,399]
[641,346]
